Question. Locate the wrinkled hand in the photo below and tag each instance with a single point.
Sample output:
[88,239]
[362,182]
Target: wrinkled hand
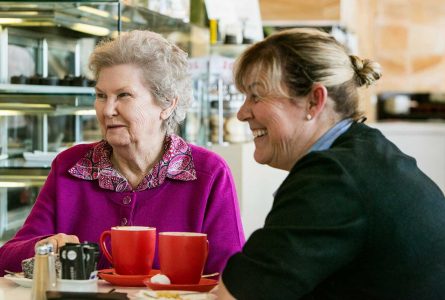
[58,240]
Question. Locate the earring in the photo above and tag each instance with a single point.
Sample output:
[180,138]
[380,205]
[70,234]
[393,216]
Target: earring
[308,117]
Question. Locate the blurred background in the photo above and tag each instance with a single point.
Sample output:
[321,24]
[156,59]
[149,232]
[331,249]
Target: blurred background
[47,94]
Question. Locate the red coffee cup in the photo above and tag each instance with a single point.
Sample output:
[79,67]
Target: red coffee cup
[182,256]
[133,249]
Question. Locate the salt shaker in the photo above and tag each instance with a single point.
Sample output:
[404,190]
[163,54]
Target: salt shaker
[52,279]
[44,274]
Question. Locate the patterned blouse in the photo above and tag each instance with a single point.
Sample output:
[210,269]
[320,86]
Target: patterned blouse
[176,163]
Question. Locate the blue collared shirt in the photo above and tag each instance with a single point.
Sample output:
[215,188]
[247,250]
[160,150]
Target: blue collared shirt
[327,139]
[331,135]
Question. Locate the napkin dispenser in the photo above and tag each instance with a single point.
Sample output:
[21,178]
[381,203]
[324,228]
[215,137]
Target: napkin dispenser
[78,260]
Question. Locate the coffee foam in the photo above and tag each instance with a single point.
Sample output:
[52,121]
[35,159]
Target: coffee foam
[183,233]
[133,228]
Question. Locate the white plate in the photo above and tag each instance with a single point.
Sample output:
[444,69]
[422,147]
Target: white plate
[166,295]
[70,285]
[25,282]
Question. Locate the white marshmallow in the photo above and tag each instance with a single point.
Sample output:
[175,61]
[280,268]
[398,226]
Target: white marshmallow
[161,279]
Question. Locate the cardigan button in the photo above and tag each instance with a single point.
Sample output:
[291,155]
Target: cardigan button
[124,221]
[126,200]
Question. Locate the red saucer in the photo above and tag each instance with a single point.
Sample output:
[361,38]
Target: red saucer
[124,280]
[204,285]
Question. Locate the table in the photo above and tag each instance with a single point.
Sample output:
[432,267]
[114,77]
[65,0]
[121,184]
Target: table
[11,291]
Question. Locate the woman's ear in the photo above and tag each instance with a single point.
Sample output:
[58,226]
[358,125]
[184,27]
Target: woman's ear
[166,113]
[317,99]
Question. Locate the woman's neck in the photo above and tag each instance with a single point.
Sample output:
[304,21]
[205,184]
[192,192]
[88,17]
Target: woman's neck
[135,162]
[316,128]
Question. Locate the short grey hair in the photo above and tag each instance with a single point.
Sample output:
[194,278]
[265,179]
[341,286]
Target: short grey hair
[164,67]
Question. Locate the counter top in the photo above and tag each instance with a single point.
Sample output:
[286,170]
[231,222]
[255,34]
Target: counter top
[410,127]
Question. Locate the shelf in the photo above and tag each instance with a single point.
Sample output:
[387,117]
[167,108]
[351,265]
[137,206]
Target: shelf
[23,167]
[85,18]
[228,50]
[45,89]
[421,107]
[17,172]
[37,99]
[80,17]
[13,109]
[413,116]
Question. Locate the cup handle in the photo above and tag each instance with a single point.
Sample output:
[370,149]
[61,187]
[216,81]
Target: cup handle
[103,246]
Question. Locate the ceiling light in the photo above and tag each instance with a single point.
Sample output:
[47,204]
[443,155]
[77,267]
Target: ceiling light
[90,29]
[4,113]
[8,184]
[18,13]
[11,105]
[10,20]
[94,11]
[85,112]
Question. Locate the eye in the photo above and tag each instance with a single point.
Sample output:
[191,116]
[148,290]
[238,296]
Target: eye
[101,96]
[124,95]
[254,98]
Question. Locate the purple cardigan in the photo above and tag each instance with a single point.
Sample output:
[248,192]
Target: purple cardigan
[70,205]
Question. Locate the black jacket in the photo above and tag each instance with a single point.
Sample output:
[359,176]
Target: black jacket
[356,221]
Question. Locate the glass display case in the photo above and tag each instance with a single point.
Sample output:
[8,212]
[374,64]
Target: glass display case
[35,126]
[212,119]
[195,127]
[46,93]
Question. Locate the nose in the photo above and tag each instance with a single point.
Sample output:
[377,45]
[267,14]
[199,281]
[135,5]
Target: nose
[109,108]
[244,113]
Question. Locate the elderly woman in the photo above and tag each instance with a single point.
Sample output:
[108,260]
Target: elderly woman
[141,173]
[355,218]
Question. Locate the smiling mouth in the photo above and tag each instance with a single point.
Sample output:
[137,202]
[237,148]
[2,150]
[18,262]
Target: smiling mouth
[259,133]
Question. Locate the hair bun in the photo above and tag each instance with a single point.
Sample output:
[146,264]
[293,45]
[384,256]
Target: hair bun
[367,71]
